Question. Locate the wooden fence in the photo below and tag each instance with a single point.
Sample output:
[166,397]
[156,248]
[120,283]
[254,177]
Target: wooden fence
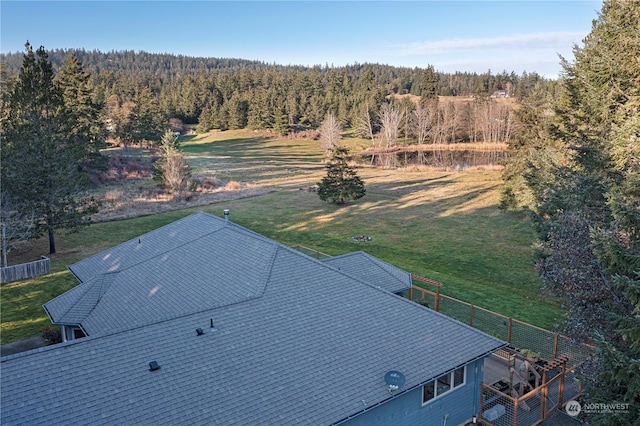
[544,343]
[25,270]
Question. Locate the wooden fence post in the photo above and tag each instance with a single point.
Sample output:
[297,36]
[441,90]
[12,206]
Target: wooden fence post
[543,397]
[471,315]
[561,387]
[509,323]
[437,301]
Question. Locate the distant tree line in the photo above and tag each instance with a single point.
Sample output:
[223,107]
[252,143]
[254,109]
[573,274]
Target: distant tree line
[218,93]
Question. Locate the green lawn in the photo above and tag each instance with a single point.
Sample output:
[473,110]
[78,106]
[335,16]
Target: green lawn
[442,225]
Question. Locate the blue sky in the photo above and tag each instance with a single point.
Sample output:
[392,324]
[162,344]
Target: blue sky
[450,35]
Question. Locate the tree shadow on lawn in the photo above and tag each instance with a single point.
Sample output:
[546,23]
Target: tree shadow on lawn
[474,251]
[252,149]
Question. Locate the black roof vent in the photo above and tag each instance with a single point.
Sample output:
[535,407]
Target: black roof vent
[199,331]
[153,366]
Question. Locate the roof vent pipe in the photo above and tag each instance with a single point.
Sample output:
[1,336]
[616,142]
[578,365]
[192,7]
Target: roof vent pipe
[226,215]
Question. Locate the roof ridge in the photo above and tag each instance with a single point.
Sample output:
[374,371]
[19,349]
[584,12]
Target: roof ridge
[390,270]
[139,237]
[272,262]
[163,252]
[84,287]
[387,267]
[99,284]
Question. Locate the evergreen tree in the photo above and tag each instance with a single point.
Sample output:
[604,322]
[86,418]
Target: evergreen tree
[86,128]
[427,87]
[238,109]
[341,184]
[608,63]
[280,118]
[145,123]
[43,150]
[210,116]
[532,151]
[258,114]
[595,180]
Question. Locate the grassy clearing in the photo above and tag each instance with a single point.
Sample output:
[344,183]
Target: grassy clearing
[22,312]
[240,156]
[441,225]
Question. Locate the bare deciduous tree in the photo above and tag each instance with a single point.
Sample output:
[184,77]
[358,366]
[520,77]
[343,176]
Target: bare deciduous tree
[422,121]
[495,121]
[390,118]
[18,224]
[330,132]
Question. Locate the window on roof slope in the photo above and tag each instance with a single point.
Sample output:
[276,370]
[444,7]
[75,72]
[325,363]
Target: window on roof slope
[443,385]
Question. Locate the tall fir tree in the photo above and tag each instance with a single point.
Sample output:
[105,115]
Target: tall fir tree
[593,175]
[43,150]
[86,128]
[146,122]
[171,170]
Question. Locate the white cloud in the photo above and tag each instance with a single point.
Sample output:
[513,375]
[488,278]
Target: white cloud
[558,40]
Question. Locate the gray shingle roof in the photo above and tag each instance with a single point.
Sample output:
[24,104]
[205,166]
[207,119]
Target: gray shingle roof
[372,270]
[304,344]
[146,246]
[225,265]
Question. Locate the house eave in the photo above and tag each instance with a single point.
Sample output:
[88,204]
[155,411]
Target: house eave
[391,398]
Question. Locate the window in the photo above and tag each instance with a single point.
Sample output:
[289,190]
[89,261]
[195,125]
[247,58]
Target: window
[443,384]
[78,333]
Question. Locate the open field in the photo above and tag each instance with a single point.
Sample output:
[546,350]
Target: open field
[439,224]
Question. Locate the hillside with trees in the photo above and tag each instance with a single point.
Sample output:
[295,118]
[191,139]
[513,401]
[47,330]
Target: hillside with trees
[219,93]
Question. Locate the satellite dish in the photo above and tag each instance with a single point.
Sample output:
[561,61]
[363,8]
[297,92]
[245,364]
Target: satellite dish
[394,379]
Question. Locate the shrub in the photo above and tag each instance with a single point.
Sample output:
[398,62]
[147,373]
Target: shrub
[233,186]
[51,335]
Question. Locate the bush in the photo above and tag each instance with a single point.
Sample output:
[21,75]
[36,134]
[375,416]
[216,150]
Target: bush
[51,335]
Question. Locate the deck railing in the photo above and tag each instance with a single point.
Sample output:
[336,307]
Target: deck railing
[503,408]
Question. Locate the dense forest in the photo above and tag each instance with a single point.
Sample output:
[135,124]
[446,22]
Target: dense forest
[222,93]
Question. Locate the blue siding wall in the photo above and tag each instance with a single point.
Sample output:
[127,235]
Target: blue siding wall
[407,409]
